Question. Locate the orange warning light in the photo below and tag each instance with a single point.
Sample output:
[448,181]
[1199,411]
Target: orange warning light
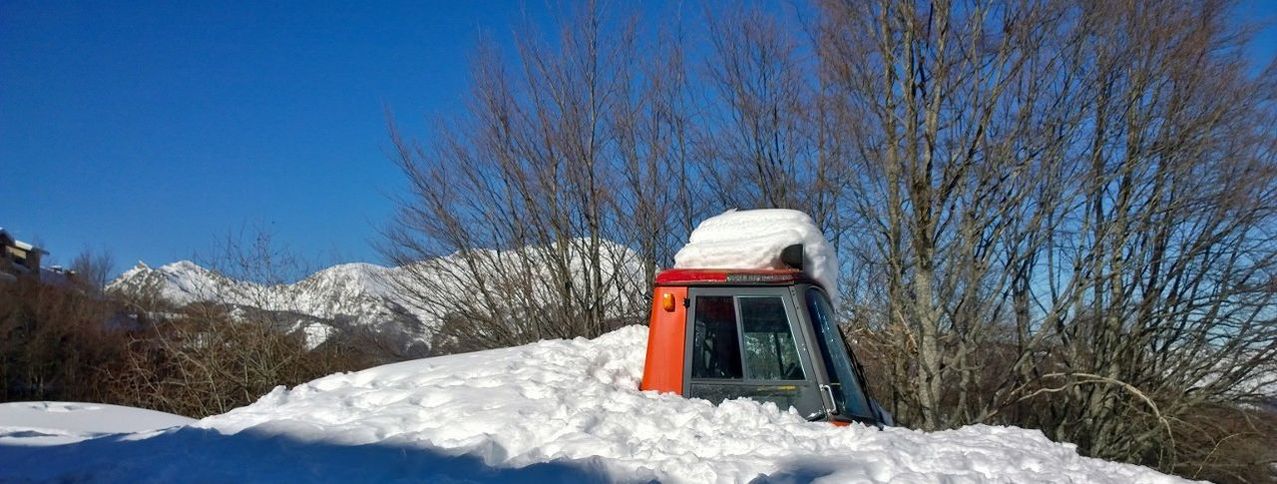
[667,302]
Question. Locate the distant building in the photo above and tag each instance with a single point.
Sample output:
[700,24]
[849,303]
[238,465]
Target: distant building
[18,258]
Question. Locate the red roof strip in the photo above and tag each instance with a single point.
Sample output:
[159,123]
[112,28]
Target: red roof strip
[684,277]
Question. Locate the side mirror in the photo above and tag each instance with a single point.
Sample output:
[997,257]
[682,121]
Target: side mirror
[792,256]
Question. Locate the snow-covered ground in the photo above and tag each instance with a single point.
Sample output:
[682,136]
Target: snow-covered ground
[56,423]
[557,411]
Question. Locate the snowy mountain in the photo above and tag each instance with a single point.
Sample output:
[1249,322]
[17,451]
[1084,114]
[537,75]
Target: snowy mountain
[552,411]
[368,296]
[339,297]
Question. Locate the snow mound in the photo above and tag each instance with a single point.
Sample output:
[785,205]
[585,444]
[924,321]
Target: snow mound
[753,239]
[54,423]
[557,411]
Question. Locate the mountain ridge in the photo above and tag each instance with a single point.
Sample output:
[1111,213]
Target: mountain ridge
[361,295]
[351,295]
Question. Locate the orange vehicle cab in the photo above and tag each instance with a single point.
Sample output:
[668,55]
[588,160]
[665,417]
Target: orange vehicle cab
[763,334]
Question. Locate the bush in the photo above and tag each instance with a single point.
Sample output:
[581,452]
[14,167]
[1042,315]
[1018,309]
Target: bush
[204,362]
[66,343]
[55,343]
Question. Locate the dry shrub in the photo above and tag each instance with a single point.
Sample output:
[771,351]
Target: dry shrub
[54,342]
[64,342]
[205,361]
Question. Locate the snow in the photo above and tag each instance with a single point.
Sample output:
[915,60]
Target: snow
[558,411]
[345,289]
[316,334]
[753,239]
[356,292]
[379,297]
[55,423]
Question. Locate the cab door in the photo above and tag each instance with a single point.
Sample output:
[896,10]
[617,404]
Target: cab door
[747,342]
[841,377]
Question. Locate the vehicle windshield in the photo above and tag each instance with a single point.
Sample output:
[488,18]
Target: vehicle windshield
[849,398]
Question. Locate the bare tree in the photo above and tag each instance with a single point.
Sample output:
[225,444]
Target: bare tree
[512,215]
[653,121]
[930,94]
[766,136]
[93,268]
[1068,211]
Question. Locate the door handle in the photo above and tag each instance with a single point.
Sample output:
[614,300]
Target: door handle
[831,405]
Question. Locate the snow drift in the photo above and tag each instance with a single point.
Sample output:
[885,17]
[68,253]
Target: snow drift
[53,423]
[753,239]
[561,411]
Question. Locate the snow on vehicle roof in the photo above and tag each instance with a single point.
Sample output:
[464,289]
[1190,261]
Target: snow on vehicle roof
[557,411]
[753,239]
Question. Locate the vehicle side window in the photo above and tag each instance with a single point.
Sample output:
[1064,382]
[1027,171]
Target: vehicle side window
[770,352]
[849,398]
[716,344]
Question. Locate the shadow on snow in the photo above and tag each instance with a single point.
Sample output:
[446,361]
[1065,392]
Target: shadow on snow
[201,455]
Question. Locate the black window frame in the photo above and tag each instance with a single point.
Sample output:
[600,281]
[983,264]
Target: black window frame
[825,346]
[792,318]
[735,330]
[794,334]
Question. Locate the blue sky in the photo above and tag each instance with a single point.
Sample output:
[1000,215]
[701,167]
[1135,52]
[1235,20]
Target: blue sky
[151,129]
